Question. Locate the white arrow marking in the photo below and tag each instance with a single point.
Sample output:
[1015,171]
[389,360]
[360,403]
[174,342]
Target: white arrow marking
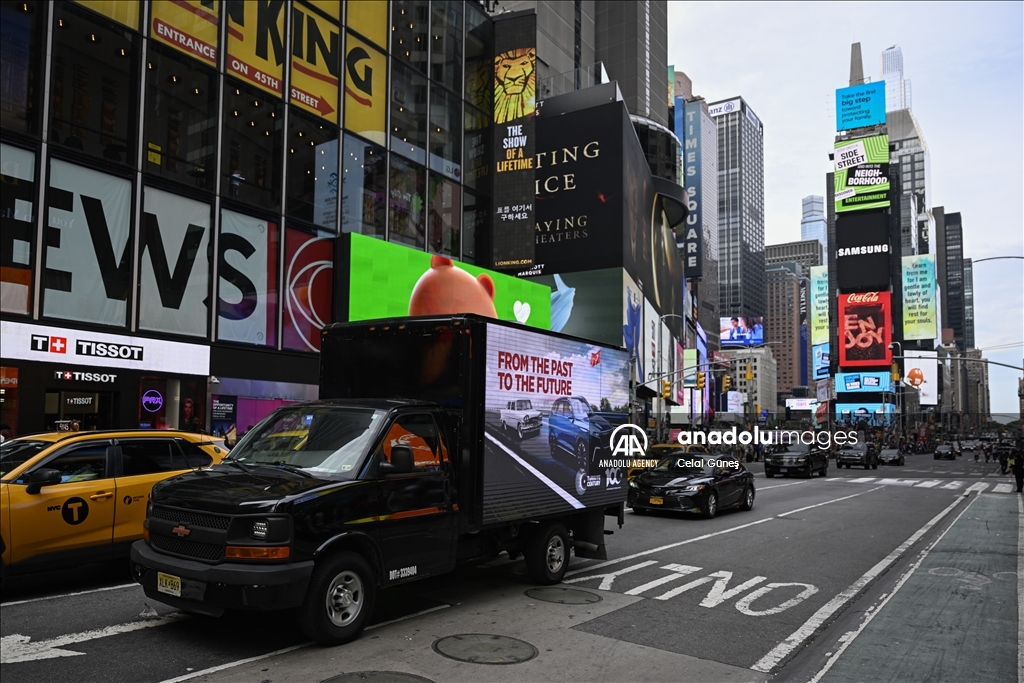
[18,648]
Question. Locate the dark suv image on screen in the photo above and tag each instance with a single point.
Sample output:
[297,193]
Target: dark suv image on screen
[574,428]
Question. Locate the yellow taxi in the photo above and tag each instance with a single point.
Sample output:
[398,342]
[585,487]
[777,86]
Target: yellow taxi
[77,497]
[664,450]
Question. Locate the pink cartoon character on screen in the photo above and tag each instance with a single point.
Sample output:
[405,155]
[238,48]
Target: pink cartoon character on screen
[445,290]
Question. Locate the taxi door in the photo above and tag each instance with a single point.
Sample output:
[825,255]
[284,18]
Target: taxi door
[74,515]
[144,462]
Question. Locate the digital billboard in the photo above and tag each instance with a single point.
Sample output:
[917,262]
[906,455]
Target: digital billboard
[862,174]
[819,305]
[862,251]
[565,397]
[863,382]
[734,401]
[690,368]
[741,331]
[586,304]
[872,413]
[801,403]
[920,297]
[388,280]
[860,106]
[308,288]
[820,361]
[864,329]
[921,371]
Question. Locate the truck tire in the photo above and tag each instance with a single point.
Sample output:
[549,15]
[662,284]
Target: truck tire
[547,554]
[339,600]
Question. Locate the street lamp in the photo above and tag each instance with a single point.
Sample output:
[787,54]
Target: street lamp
[660,425]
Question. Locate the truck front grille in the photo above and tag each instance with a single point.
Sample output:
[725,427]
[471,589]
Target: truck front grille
[209,552]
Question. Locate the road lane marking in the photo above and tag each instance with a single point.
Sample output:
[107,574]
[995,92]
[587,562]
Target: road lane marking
[953,485]
[810,627]
[979,487]
[852,635]
[1003,488]
[897,482]
[719,594]
[861,480]
[743,604]
[779,486]
[679,571]
[928,484]
[18,648]
[608,579]
[230,665]
[69,595]
[645,553]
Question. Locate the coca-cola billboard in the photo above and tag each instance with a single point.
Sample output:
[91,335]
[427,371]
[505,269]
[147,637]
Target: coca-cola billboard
[865,329]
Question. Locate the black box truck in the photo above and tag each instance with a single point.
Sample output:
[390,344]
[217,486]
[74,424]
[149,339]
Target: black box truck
[401,470]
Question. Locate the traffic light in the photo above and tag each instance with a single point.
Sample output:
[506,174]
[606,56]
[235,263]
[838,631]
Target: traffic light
[895,372]
[700,380]
[750,371]
[666,389]
[726,382]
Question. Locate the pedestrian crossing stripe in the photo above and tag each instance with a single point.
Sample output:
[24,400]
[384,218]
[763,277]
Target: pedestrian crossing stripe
[954,485]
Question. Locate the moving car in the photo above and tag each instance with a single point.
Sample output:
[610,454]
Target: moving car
[521,417]
[71,498]
[702,484]
[797,458]
[891,456]
[659,451]
[945,451]
[575,428]
[861,454]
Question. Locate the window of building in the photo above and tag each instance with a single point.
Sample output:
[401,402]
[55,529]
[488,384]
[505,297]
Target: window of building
[445,133]
[409,20]
[364,186]
[446,43]
[93,93]
[475,216]
[444,216]
[406,208]
[477,150]
[408,113]
[312,170]
[180,121]
[21,40]
[251,150]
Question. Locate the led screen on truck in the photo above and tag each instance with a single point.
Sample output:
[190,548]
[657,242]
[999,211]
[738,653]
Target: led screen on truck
[550,407]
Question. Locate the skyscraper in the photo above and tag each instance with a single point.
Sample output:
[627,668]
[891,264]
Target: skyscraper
[968,303]
[782,325]
[813,225]
[950,274]
[741,276]
[897,88]
[808,253]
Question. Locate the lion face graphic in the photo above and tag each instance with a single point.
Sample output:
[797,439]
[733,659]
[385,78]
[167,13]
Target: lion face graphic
[515,84]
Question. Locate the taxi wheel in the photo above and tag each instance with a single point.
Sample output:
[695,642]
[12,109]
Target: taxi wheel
[339,600]
[547,553]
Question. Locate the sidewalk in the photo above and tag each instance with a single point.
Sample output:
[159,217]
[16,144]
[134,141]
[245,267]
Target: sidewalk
[956,617]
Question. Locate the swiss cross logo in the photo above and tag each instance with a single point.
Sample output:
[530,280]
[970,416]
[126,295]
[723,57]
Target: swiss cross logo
[44,343]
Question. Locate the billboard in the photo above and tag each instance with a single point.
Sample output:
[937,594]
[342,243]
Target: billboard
[586,304]
[801,403]
[819,305]
[308,288]
[688,129]
[921,371]
[632,325]
[741,331]
[256,51]
[17,228]
[822,390]
[680,391]
[866,320]
[366,96]
[515,108]
[569,395]
[862,251]
[862,174]
[820,361]
[920,298]
[189,26]
[388,280]
[873,413]
[690,368]
[860,106]
[316,63]
[863,382]
[734,401]
[247,292]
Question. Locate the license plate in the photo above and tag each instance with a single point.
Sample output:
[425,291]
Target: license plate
[782,469]
[166,583]
[657,500]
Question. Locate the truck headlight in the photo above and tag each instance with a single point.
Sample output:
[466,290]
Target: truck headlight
[259,530]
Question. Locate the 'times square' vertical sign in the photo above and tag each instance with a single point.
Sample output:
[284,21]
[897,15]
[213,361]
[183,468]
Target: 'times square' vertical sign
[515,109]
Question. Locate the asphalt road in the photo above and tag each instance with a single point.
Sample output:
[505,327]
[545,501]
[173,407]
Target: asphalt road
[886,574]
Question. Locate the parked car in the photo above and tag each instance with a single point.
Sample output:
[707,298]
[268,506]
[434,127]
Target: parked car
[702,484]
[522,417]
[574,427]
[797,458]
[945,451]
[860,454]
[891,456]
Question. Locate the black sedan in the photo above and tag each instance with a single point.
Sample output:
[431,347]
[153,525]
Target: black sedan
[891,456]
[945,452]
[702,484]
[797,458]
[860,454]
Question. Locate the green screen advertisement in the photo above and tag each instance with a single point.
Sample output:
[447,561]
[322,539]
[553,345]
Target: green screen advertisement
[862,174]
[388,281]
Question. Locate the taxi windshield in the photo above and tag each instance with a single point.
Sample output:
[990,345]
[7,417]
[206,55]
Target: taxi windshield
[323,440]
[15,453]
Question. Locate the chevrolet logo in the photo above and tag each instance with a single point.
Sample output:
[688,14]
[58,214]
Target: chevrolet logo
[181,530]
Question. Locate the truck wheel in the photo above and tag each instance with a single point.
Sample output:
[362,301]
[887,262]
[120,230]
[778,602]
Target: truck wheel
[547,554]
[339,599]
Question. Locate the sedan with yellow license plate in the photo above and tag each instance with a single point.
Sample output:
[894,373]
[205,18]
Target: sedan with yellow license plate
[71,498]
[659,451]
[690,482]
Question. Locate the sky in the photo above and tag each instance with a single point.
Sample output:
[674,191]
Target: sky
[966,66]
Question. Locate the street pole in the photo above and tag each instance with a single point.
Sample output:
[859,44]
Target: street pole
[661,400]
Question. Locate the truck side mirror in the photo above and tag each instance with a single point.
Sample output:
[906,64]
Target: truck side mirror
[401,461]
[40,478]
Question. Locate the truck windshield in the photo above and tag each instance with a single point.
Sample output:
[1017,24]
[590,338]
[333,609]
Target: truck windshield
[322,440]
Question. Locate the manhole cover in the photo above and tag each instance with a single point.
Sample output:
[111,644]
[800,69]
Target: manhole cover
[483,648]
[563,596]
[376,677]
